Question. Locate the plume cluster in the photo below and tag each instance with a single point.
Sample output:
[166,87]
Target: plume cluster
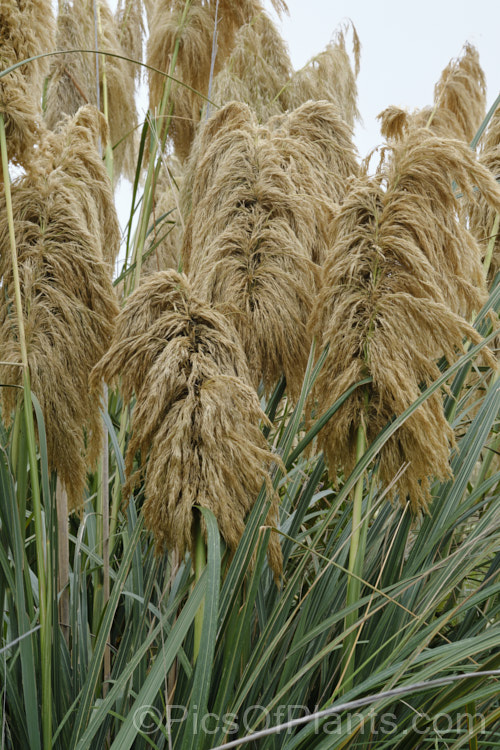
[400,277]
[192,29]
[74,76]
[26,30]
[68,300]
[257,70]
[252,236]
[196,416]
[459,103]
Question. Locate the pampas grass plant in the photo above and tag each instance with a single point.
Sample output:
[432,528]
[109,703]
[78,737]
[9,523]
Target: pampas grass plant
[292,342]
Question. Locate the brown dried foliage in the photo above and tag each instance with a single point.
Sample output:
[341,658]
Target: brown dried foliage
[73,78]
[400,271]
[196,417]
[68,302]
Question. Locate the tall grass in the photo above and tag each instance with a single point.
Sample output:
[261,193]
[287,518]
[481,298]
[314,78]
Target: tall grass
[301,454]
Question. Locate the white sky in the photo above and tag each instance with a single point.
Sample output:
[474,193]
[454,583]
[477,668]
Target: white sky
[404,47]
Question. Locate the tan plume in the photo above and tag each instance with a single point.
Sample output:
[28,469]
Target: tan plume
[196,417]
[390,307]
[249,242]
[69,309]
[329,75]
[317,150]
[257,70]
[459,103]
[73,78]
[26,30]
[130,29]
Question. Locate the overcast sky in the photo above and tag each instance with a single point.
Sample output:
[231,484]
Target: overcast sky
[404,47]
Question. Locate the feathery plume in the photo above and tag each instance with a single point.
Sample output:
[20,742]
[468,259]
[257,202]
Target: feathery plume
[130,29]
[394,122]
[257,70]
[386,308]
[195,416]
[317,149]
[450,247]
[26,30]
[461,92]
[459,103]
[75,151]
[329,76]
[73,78]
[69,306]
[247,245]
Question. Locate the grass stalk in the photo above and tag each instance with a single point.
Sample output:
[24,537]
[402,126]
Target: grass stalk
[491,244]
[104,496]
[41,543]
[356,557]
[200,562]
[103,490]
[63,557]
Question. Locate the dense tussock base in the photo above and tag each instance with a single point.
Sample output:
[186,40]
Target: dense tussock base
[196,418]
